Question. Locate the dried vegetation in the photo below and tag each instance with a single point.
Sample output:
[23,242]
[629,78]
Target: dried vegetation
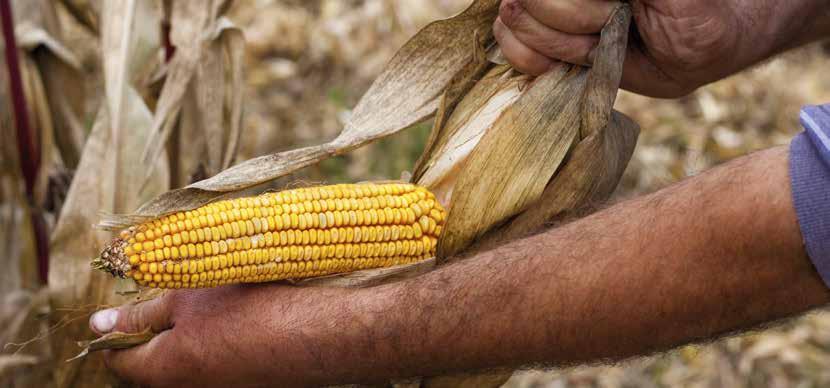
[306,66]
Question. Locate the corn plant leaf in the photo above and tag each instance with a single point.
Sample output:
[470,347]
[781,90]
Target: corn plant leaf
[233,44]
[605,74]
[408,91]
[54,83]
[86,12]
[39,35]
[63,85]
[128,45]
[212,106]
[196,27]
[17,240]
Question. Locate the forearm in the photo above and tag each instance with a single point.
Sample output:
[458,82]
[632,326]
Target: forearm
[717,253]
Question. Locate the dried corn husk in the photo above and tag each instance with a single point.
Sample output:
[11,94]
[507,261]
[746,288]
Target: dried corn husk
[551,146]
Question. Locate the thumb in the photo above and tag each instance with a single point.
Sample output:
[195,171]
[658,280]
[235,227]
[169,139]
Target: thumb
[134,318]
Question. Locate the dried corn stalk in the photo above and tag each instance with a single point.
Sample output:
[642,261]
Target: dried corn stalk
[208,113]
[107,179]
[53,91]
[103,183]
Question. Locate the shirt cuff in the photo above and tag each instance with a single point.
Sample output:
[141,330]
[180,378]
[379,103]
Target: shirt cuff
[810,179]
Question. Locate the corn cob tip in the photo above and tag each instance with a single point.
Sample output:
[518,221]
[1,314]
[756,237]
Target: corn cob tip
[112,259]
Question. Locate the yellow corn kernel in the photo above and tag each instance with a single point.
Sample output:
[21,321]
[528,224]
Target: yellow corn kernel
[292,234]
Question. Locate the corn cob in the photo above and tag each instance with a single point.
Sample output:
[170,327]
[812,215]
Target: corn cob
[291,234]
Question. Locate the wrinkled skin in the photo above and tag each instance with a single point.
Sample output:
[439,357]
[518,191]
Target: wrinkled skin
[678,45]
[240,335]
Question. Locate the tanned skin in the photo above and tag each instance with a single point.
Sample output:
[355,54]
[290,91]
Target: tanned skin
[679,46]
[714,254]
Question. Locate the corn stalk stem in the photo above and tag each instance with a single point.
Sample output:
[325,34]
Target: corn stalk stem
[28,150]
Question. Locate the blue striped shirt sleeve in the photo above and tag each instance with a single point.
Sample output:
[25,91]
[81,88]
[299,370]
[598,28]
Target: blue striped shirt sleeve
[810,180]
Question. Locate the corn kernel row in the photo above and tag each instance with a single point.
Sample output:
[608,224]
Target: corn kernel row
[178,248]
[291,234]
[271,272]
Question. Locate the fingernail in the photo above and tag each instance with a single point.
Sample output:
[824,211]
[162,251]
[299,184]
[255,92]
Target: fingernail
[104,321]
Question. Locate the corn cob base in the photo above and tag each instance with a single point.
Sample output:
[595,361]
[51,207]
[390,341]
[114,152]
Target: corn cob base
[291,234]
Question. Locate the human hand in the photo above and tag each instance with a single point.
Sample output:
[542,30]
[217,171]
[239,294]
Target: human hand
[679,45]
[247,335]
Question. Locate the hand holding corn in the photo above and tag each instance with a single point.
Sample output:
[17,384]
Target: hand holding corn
[681,44]
[643,275]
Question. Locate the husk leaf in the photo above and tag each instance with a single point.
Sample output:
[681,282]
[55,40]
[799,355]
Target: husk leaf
[517,156]
[114,340]
[513,164]
[459,134]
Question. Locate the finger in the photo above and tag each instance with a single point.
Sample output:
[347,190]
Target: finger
[146,365]
[571,16]
[566,47]
[134,318]
[642,76]
[523,58]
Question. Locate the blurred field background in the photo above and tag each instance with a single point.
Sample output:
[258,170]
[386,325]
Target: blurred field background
[308,62]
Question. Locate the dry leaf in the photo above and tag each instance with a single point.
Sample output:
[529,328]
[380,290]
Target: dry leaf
[196,67]
[211,109]
[106,180]
[87,12]
[512,164]
[458,135]
[520,152]
[596,164]
[114,340]
[38,34]
[407,92]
